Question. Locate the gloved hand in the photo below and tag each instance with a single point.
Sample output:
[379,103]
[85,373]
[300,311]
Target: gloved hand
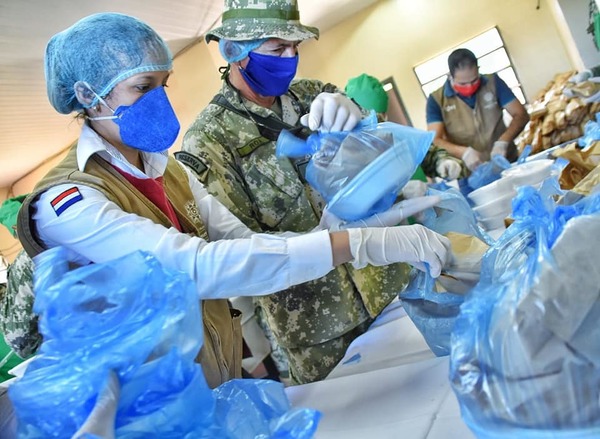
[499,148]
[415,245]
[101,421]
[448,169]
[472,158]
[332,112]
[391,217]
[414,189]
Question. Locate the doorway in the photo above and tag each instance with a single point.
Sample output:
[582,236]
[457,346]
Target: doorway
[396,110]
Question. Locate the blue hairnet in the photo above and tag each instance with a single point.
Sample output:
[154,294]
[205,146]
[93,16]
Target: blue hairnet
[101,50]
[234,51]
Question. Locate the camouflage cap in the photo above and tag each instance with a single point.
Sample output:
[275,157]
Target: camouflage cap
[245,20]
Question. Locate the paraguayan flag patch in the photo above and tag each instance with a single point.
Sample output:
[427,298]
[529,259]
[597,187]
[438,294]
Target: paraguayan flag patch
[65,200]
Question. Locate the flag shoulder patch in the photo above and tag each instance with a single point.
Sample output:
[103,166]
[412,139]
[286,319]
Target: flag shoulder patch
[65,200]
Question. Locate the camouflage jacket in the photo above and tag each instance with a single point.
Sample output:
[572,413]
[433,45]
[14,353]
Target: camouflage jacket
[238,165]
[18,322]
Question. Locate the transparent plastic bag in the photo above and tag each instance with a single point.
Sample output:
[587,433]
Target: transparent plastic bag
[360,172]
[452,214]
[524,356]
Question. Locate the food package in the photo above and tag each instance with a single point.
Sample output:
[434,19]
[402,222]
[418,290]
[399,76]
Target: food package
[557,113]
[461,272]
[581,163]
[587,184]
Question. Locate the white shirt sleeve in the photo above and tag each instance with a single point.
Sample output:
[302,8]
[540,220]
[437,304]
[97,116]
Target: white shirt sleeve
[95,229]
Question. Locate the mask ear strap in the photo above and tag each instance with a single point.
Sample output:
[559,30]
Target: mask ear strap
[87,97]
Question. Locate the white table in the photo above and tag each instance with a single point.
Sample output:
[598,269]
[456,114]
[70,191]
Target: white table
[389,385]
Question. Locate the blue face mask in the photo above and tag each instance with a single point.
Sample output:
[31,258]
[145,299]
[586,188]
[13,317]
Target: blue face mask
[269,75]
[150,124]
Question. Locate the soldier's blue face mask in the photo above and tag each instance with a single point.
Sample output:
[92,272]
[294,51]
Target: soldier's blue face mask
[150,124]
[269,75]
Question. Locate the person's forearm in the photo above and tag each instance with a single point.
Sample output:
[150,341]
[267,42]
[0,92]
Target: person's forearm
[453,149]
[514,128]
[340,248]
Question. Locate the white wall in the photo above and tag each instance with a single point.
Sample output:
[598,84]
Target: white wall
[392,36]
[576,15]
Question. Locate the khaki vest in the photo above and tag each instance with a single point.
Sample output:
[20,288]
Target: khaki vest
[479,127]
[221,353]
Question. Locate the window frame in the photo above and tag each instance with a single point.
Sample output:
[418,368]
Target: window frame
[437,81]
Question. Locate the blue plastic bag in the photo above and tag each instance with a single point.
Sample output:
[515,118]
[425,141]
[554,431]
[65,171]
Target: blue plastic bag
[360,172]
[591,133]
[260,408]
[143,322]
[524,356]
[490,171]
[432,312]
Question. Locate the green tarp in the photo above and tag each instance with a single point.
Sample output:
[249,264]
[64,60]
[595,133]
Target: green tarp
[8,213]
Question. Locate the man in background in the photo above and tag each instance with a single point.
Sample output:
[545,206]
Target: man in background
[466,113]
[231,147]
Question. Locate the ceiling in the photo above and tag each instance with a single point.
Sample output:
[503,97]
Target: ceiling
[31,131]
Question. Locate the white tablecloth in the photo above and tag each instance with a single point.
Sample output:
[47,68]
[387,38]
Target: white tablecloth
[389,385]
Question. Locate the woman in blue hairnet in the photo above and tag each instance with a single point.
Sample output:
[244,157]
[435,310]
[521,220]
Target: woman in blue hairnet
[118,191]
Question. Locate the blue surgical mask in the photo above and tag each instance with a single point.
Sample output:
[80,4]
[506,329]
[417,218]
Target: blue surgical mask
[150,124]
[269,75]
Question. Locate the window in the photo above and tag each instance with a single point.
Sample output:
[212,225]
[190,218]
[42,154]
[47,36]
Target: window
[491,55]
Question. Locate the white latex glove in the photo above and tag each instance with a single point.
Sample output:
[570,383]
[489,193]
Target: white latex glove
[499,148]
[332,112]
[101,421]
[414,189]
[472,158]
[391,217]
[448,169]
[415,245]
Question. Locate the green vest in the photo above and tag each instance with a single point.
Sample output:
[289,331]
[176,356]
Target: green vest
[221,352]
[479,127]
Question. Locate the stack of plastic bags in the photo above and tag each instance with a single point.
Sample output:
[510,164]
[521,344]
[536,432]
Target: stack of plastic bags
[143,322]
[525,357]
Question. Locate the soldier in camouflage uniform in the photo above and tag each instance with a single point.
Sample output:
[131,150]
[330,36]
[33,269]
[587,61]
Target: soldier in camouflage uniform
[231,147]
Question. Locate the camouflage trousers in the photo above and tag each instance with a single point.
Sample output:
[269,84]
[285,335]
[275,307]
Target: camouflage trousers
[278,354]
[314,363]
